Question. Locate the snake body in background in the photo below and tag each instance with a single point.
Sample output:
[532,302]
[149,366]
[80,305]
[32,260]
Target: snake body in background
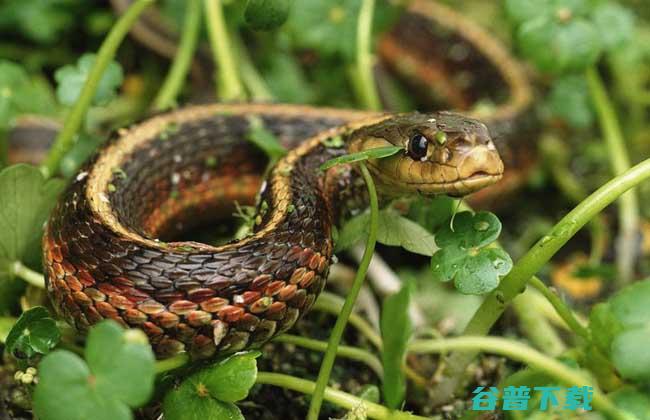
[109,249]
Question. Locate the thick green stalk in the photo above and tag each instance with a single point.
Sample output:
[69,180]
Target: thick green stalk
[352,353]
[341,321]
[520,352]
[366,86]
[230,87]
[340,398]
[620,161]
[515,282]
[175,79]
[65,139]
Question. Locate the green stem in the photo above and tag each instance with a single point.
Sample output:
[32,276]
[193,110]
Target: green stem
[340,398]
[230,86]
[332,304]
[620,162]
[561,308]
[364,65]
[341,321]
[522,353]
[175,79]
[65,139]
[165,365]
[515,282]
[535,327]
[251,78]
[30,276]
[352,353]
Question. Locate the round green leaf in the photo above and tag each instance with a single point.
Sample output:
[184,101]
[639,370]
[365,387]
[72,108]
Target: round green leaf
[71,79]
[522,10]
[476,276]
[630,354]
[630,305]
[264,15]
[615,24]
[470,230]
[123,369]
[569,100]
[557,46]
[604,326]
[189,402]
[67,391]
[34,332]
[230,379]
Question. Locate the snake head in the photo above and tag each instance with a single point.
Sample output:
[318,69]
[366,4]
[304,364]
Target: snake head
[444,153]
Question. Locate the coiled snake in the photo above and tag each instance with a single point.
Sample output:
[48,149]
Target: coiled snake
[109,249]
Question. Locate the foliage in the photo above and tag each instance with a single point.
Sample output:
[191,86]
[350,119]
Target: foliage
[71,79]
[117,373]
[34,332]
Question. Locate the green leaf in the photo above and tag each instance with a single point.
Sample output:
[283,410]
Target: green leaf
[264,15]
[604,326]
[230,379]
[630,354]
[432,213]
[71,79]
[630,305]
[211,392]
[559,47]
[376,153]
[189,403]
[34,332]
[465,257]
[20,95]
[632,401]
[40,20]
[522,10]
[396,330]
[264,139]
[26,202]
[118,375]
[614,23]
[569,100]
[124,368]
[396,230]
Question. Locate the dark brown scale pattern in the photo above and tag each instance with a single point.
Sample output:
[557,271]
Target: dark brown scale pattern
[184,298]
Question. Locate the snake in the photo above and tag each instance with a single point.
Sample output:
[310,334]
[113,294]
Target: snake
[106,248]
[112,247]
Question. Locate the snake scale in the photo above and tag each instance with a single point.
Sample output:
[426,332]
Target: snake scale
[110,248]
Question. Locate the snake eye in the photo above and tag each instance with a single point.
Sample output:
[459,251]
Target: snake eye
[417,147]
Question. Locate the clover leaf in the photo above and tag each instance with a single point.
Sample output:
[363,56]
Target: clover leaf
[117,375]
[212,392]
[615,24]
[34,332]
[569,100]
[465,257]
[264,15]
[396,330]
[19,94]
[71,79]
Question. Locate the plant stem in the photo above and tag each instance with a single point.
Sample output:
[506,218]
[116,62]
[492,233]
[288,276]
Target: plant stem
[520,352]
[65,139]
[352,353]
[515,282]
[229,85]
[561,308]
[165,365]
[30,276]
[535,327]
[175,79]
[340,398]
[620,162]
[341,321]
[251,78]
[332,304]
[366,87]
